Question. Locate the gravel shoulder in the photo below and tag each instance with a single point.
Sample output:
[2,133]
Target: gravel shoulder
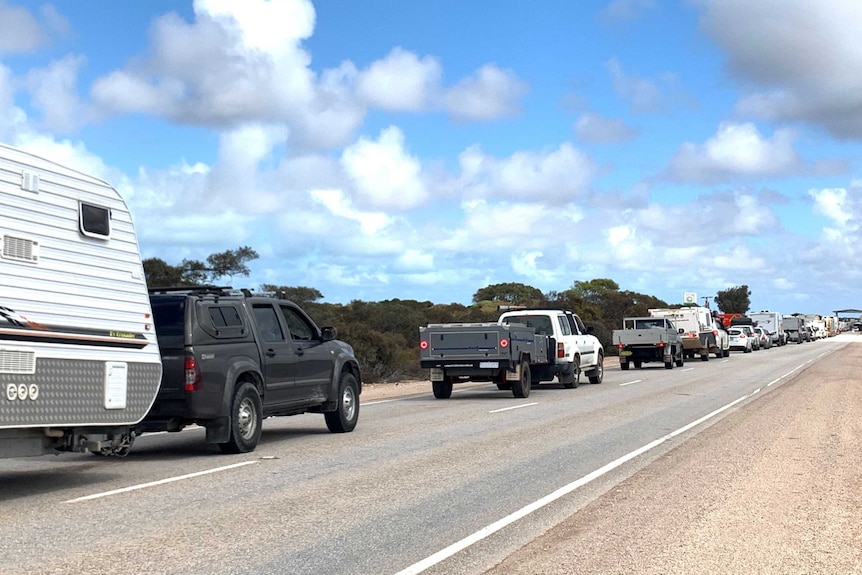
[774,487]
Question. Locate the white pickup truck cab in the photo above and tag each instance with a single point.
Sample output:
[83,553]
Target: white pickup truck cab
[578,350]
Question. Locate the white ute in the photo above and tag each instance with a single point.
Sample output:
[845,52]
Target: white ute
[578,350]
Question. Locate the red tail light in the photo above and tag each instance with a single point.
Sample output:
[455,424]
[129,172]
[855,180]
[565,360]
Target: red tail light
[193,374]
[423,344]
[504,343]
[561,350]
[621,345]
[661,344]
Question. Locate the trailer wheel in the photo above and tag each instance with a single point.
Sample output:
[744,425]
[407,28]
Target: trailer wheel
[442,389]
[346,414]
[246,420]
[624,365]
[598,373]
[521,388]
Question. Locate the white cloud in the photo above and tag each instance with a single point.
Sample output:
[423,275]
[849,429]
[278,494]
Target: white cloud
[735,150]
[53,92]
[832,203]
[597,129]
[370,223]
[814,76]
[20,31]
[559,175]
[491,93]
[626,10]
[400,82]
[385,175]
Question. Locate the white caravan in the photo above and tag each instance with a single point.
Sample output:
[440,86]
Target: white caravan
[771,321]
[79,362]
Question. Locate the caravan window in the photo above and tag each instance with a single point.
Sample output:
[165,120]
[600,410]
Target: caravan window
[94,221]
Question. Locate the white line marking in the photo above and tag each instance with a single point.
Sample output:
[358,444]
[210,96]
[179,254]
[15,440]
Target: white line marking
[514,407]
[489,530]
[689,369]
[631,382]
[159,482]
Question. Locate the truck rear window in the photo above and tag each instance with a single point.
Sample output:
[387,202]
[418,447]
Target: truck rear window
[540,323]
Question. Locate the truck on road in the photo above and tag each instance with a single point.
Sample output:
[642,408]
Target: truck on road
[233,357]
[512,356]
[702,334]
[772,322]
[646,339]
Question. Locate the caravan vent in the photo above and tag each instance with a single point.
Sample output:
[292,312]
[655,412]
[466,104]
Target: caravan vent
[29,182]
[16,361]
[20,249]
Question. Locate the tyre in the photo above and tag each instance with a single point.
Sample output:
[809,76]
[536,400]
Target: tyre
[726,353]
[747,350]
[597,375]
[624,366]
[521,388]
[571,378]
[681,361]
[442,389]
[668,364]
[638,364]
[346,414]
[246,420]
[704,356]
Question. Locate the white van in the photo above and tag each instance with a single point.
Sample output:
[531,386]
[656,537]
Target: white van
[79,362]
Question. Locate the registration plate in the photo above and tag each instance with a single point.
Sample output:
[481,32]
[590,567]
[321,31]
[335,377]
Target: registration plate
[489,364]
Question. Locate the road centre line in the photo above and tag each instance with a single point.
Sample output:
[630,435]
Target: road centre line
[489,530]
[688,369]
[631,382]
[159,482]
[514,407]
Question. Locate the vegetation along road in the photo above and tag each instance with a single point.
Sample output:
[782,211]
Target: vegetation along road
[749,464]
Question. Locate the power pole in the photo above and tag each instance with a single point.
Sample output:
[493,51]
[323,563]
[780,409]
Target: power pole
[706,299]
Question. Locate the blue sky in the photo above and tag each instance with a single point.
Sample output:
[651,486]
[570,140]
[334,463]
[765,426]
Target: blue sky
[425,149]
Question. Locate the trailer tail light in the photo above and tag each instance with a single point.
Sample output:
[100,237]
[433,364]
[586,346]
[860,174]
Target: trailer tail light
[561,350]
[504,343]
[423,344]
[193,374]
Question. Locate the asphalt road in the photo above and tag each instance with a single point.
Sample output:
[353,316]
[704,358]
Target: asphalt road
[422,485]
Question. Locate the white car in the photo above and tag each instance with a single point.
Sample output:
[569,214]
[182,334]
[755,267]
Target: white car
[740,340]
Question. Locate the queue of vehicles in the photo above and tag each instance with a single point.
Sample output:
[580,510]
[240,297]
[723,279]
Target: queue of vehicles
[90,358]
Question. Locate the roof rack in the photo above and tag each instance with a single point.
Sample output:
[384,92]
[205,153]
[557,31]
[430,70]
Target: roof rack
[198,290]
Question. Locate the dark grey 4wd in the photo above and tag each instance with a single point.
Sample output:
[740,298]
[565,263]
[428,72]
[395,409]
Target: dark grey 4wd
[231,359]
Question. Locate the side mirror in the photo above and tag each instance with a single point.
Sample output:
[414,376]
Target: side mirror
[681,331]
[328,333]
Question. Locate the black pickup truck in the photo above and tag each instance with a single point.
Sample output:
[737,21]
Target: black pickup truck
[231,359]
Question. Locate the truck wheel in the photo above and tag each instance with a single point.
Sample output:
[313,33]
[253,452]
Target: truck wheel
[571,378]
[726,353]
[638,365]
[246,420]
[704,356]
[521,388]
[668,364]
[624,365]
[598,373]
[442,389]
[681,361]
[346,414]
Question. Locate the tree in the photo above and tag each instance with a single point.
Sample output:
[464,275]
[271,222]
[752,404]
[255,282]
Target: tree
[158,273]
[735,299]
[510,293]
[300,294]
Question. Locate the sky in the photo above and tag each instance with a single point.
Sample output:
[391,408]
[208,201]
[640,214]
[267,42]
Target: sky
[423,150]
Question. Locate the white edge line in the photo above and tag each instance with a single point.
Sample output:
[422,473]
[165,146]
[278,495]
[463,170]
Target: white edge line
[514,407]
[489,530]
[159,482]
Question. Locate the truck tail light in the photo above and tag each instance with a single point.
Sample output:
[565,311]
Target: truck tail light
[561,350]
[193,374]
[661,344]
[621,345]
